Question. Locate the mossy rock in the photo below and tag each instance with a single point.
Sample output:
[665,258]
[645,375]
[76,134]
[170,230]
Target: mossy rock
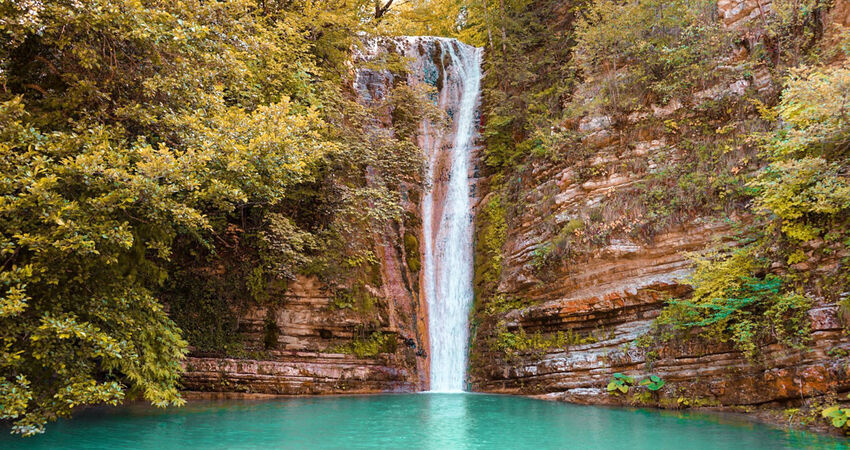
[411,251]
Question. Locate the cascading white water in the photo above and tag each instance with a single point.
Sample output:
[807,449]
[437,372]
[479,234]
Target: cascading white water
[454,68]
[447,262]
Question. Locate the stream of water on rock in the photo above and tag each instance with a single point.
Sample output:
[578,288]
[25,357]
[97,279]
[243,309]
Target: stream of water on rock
[447,218]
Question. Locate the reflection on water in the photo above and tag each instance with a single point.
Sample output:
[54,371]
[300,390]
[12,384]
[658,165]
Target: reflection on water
[427,421]
[447,420]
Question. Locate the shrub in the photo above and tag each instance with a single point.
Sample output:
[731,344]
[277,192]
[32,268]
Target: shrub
[411,250]
[653,383]
[369,347]
[521,341]
[837,416]
[620,384]
[730,301]
[648,50]
[492,239]
[802,196]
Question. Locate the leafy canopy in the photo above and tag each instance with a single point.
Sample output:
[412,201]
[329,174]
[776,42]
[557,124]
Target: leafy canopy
[141,139]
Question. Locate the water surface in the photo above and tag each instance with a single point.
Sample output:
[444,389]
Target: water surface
[429,421]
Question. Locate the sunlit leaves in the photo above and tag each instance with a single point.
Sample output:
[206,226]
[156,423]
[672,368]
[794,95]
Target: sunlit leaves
[802,202]
[133,135]
[648,49]
[803,194]
[122,126]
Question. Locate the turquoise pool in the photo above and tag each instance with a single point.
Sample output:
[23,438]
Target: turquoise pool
[428,421]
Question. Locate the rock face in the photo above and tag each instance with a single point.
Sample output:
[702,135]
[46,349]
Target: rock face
[294,348]
[610,293]
[735,13]
[299,359]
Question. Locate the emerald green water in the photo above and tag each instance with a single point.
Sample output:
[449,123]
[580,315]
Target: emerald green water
[431,421]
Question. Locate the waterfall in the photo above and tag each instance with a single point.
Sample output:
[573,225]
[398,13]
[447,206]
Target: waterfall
[454,69]
[447,221]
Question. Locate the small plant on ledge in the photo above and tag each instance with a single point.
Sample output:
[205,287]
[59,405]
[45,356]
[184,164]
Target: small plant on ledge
[620,384]
[653,383]
[838,416]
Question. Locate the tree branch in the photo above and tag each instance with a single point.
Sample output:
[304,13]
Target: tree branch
[381,10]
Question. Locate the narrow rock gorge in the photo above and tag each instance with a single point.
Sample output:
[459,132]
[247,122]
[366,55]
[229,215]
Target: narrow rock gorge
[297,342]
[618,202]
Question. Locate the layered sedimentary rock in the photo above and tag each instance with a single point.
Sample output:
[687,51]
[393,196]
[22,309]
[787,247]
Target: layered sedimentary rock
[609,294]
[291,350]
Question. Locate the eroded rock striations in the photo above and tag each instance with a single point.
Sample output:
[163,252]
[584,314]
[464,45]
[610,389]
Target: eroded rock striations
[608,295]
[300,359]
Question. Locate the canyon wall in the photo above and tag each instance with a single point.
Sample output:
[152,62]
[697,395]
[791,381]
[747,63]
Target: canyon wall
[605,297]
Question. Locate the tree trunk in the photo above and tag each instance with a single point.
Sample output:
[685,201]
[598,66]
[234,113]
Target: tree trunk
[504,32]
[487,22]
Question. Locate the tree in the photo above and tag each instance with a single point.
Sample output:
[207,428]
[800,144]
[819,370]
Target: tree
[124,126]
[382,8]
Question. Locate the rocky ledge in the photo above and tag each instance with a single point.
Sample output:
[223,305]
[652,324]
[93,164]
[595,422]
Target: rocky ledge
[294,349]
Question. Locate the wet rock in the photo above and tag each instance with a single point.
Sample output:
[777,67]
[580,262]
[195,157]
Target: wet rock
[594,124]
[302,360]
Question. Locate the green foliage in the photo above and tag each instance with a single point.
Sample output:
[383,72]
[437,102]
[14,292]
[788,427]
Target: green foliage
[199,153]
[812,108]
[501,303]
[729,302]
[653,383]
[722,285]
[805,195]
[541,255]
[801,196]
[411,251]
[357,298]
[562,246]
[640,54]
[491,234]
[198,303]
[805,187]
[521,341]
[369,347]
[620,384]
[465,20]
[837,416]
[123,128]
[528,78]
[696,402]
[793,27]
[648,51]
[284,249]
